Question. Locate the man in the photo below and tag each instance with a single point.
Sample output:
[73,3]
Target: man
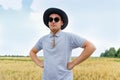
[57,47]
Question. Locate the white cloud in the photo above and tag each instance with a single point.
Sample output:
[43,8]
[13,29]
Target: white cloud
[36,5]
[11,4]
[37,20]
[1,35]
[36,16]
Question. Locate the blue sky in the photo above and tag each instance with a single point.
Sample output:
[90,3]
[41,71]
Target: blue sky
[21,23]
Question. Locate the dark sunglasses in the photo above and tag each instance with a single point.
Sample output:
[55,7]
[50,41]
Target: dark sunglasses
[56,19]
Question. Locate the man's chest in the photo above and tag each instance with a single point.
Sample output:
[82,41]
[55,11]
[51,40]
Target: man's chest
[55,42]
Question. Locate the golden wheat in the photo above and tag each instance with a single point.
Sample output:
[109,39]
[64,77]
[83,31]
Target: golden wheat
[23,68]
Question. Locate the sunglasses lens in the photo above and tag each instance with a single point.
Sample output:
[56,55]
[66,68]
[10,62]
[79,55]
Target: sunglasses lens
[56,19]
[50,19]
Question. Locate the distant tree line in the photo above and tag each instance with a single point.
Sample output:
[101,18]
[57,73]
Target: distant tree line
[111,53]
[13,56]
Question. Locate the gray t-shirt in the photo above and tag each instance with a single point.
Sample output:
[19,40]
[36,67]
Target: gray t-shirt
[56,59]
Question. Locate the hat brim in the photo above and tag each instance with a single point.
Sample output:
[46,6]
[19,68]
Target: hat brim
[56,11]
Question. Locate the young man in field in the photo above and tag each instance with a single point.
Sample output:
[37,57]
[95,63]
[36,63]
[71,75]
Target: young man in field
[57,47]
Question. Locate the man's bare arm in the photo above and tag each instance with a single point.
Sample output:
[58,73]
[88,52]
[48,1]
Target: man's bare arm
[33,55]
[89,48]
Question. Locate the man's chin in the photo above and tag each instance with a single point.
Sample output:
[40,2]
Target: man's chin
[54,30]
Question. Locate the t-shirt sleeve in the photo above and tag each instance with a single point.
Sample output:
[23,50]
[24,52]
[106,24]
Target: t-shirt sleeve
[77,41]
[39,44]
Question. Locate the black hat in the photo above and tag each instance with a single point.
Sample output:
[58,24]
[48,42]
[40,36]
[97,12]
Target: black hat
[60,12]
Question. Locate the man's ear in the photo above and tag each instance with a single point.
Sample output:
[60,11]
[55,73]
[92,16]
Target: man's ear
[62,23]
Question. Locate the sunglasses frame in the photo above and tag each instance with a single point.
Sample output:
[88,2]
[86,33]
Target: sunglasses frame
[56,19]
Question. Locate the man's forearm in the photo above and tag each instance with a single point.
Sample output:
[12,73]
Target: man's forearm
[88,50]
[36,59]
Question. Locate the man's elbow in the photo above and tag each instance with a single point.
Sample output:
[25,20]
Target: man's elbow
[93,48]
[90,46]
[33,51]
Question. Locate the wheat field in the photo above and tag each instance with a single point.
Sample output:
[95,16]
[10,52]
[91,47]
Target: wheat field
[23,68]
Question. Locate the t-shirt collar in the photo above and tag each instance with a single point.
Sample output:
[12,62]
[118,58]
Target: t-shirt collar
[56,35]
